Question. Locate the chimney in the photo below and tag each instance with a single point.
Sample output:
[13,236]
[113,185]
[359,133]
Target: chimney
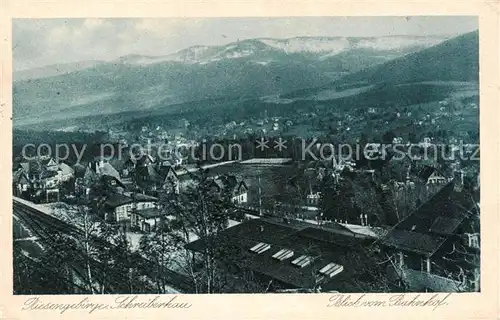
[458,180]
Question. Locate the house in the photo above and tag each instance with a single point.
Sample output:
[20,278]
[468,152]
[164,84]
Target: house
[276,126]
[65,172]
[238,191]
[49,163]
[431,176]
[21,184]
[101,166]
[149,219]
[98,169]
[153,178]
[144,160]
[43,175]
[436,247]
[313,198]
[118,207]
[170,179]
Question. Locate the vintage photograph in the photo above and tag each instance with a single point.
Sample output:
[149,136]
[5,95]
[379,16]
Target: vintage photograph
[246,155]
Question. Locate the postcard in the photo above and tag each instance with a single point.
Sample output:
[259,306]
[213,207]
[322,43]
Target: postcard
[258,160]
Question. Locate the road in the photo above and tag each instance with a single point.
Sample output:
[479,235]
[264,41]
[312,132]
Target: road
[40,225]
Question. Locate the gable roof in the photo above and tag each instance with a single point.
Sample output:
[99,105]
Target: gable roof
[446,204]
[118,164]
[108,180]
[425,230]
[25,166]
[19,176]
[229,182]
[144,159]
[66,169]
[108,170]
[150,213]
[114,199]
[33,167]
[426,172]
[46,160]
[148,174]
[48,174]
[79,170]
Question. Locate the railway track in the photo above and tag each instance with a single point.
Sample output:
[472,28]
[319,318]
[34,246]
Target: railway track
[45,227]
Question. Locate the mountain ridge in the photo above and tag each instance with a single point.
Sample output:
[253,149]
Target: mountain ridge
[209,52]
[113,88]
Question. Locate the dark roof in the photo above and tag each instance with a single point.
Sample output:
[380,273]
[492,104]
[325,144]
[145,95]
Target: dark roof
[240,238]
[108,180]
[163,171]
[48,174]
[34,167]
[340,236]
[445,226]
[107,169]
[79,170]
[19,176]
[258,229]
[429,225]
[45,161]
[150,213]
[144,159]
[118,164]
[143,197]
[426,172]
[421,243]
[117,199]
[229,182]
[334,226]
[446,203]
[149,174]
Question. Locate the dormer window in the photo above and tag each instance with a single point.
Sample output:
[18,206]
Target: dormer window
[302,261]
[331,270]
[283,254]
[472,240]
[260,248]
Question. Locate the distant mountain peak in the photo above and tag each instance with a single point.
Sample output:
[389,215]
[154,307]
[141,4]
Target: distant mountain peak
[315,47]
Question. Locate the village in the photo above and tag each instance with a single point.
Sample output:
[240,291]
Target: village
[274,224]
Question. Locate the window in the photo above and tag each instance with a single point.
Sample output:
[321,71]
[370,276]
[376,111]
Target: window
[331,269]
[261,247]
[302,261]
[473,240]
[283,254]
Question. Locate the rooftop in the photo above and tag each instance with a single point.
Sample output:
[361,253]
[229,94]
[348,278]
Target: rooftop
[275,246]
[426,229]
[118,199]
[150,213]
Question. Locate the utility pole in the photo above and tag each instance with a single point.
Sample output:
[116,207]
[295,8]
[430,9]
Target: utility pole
[260,198]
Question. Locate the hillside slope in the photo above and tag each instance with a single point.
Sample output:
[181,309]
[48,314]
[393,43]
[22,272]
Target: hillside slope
[456,59]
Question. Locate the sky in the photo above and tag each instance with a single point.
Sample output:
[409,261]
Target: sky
[39,42]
